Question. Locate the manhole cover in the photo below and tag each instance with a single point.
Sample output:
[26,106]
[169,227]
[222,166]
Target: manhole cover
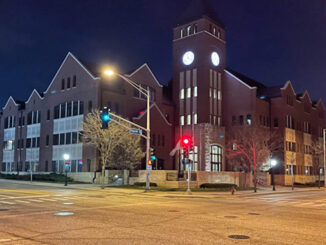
[97,196]
[68,203]
[63,213]
[253,213]
[239,237]
[174,211]
[3,209]
[231,217]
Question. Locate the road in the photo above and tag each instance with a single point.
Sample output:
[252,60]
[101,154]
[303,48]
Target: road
[120,216]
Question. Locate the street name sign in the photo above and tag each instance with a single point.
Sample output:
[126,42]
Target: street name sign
[136,131]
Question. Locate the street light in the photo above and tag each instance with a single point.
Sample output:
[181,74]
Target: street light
[145,92]
[66,157]
[273,164]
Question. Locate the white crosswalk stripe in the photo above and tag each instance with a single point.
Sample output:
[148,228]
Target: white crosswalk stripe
[10,203]
[21,201]
[35,200]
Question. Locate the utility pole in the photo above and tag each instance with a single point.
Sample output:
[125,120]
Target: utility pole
[148,132]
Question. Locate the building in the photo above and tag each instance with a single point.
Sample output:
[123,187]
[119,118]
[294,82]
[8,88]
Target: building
[204,99]
[38,132]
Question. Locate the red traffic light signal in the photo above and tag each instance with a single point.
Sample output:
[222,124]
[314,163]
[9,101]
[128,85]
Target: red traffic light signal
[186,142]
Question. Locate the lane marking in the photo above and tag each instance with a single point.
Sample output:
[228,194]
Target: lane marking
[35,200]
[46,199]
[10,203]
[22,201]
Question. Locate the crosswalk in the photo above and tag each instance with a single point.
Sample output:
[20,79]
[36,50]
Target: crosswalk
[304,203]
[11,200]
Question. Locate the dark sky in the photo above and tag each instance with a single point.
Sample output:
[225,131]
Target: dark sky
[271,41]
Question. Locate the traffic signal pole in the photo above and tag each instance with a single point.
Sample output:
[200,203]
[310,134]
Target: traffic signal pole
[189,173]
[148,167]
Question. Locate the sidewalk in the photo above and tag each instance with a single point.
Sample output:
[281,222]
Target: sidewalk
[49,184]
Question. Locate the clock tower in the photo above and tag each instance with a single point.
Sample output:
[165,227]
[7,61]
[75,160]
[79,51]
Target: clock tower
[199,60]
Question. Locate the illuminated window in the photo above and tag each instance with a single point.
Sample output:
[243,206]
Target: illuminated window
[182,93]
[216,158]
[195,28]
[188,119]
[188,92]
[182,33]
[249,119]
[195,118]
[219,95]
[219,34]
[182,120]
[195,91]
[215,94]
[210,92]
[214,30]
[188,30]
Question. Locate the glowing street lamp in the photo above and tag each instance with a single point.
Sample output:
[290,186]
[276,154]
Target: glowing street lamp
[273,164]
[66,157]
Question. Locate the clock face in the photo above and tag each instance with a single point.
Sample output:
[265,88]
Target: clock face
[215,59]
[188,57]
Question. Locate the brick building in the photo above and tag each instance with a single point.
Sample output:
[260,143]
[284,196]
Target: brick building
[204,99]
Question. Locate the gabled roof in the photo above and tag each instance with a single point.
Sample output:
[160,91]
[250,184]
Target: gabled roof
[198,9]
[10,99]
[144,66]
[302,95]
[34,92]
[249,81]
[72,56]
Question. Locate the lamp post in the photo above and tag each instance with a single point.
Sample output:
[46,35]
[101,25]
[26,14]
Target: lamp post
[146,93]
[273,164]
[66,158]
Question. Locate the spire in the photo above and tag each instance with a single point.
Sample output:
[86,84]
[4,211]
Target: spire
[196,10]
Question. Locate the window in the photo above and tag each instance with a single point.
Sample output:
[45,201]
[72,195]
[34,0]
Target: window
[195,91]
[275,122]
[188,119]
[63,110]
[47,140]
[195,28]
[188,30]
[188,92]
[48,115]
[163,140]
[289,122]
[216,158]
[249,119]
[75,108]
[56,112]
[68,82]
[195,118]
[69,109]
[290,146]
[62,84]
[214,30]
[210,92]
[234,120]
[62,139]
[182,93]
[90,106]
[219,34]
[219,95]
[33,117]
[182,120]
[289,100]
[215,93]
[241,120]
[55,139]
[68,138]
[74,138]
[182,33]
[210,28]
[74,81]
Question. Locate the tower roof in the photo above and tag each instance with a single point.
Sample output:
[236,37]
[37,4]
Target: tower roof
[196,10]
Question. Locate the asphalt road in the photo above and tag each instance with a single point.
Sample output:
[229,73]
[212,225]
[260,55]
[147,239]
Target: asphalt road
[119,216]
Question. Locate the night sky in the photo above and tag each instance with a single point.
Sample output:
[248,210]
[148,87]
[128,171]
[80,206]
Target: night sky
[271,41]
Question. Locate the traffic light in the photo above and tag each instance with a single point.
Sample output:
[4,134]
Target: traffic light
[105,117]
[153,155]
[149,162]
[186,144]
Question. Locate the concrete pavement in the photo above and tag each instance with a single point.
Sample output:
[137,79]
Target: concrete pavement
[120,216]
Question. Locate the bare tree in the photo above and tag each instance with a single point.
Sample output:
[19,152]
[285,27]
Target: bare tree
[317,152]
[117,147]
[252,148]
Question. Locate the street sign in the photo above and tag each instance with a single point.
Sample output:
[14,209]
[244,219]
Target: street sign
[149,167]
[136,131]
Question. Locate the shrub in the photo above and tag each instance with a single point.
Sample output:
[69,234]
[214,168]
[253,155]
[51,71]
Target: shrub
[218,185]
[144,184]
[53,177]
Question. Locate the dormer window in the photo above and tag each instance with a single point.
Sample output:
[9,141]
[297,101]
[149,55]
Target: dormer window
[182,33]
[188,30]
[214,30]
[195,28]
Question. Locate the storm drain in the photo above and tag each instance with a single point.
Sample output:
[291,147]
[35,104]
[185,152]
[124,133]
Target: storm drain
[239,237]
[63,213]
[230,217]
[253,213]
[3,209]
